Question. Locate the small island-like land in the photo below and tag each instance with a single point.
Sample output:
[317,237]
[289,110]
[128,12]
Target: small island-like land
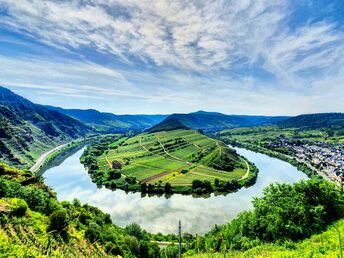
[176,161]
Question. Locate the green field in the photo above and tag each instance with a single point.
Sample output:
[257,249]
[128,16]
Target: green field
[177,157]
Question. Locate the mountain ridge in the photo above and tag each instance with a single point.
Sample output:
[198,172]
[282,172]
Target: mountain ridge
[29,129]
[214,121]
[109,122]
[316,120]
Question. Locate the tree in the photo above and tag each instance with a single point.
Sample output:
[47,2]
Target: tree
[168,187]
[113,174]
[135,230]
[144,188]
[116,164]
[93,232]
[58,221]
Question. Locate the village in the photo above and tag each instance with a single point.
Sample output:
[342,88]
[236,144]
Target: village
[324,157]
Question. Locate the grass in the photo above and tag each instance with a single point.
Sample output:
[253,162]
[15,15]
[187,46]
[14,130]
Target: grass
[162,156]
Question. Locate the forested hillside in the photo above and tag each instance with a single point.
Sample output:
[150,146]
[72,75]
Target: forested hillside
[34,224]
[316,121]
[283,216]
[111,123]
[28,129]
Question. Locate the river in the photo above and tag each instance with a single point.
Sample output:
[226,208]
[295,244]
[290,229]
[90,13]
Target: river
[70,180]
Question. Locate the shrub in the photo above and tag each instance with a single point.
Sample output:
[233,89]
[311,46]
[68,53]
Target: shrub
[58,221]
[19,207]
[93,232]
[116,164]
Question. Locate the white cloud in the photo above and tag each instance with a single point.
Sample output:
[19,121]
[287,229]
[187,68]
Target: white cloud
[194,35]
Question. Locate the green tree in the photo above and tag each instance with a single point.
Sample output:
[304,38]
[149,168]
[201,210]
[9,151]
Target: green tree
[58,221]
[135,230]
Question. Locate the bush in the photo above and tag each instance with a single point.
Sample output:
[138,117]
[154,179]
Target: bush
[93,232]
[135,230]
[116,164]
[284,212]
[58,221]
[19,207]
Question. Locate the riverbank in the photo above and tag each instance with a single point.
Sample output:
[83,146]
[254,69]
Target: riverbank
[47,157]
[152,172]
[160,213]
[303,167]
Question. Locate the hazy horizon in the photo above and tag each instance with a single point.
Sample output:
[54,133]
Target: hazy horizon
[143,57]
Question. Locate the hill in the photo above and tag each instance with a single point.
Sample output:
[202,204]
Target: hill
[169,124]
[299,220]
[33,223]
[111,123]
[212,121]
[28,129]
[315,121]
[178,161]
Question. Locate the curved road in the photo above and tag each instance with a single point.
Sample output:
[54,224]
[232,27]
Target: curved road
[44,156]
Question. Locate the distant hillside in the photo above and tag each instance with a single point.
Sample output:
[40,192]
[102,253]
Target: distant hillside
[111,123]
[28,129]
[212,121]
[315,121]
[169,124]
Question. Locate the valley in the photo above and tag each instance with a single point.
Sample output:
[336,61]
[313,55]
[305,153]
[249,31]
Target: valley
[171,129]
[156,170]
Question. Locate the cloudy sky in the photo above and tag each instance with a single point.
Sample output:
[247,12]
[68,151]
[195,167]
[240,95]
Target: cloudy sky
[136,56]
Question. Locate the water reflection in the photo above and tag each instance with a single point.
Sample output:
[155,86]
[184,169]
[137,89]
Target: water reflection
[160,214]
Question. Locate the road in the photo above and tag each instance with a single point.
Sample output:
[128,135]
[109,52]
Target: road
[44,156]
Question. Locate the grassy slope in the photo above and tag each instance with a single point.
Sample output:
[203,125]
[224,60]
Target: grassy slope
[89,232]
[147,158]
[321,245]
[26,236]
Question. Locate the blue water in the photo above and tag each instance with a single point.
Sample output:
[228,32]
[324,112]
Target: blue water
[158,214]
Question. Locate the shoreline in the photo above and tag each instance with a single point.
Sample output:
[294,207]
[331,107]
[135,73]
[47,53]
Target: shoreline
[46,157]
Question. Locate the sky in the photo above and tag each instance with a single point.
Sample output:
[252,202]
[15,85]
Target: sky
[160,57]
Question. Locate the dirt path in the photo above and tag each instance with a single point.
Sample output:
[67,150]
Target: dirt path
[108,161]
[201,174]
[247,171]
[174,157]
[158,154]
[151,178]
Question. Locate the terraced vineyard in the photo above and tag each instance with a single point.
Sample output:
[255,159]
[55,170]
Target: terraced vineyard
[176,157]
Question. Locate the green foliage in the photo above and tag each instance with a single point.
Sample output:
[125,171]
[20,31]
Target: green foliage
[58,221]
[93,232]
[19,207]
[284,213]
[135,230]
[325,245]
[29,211]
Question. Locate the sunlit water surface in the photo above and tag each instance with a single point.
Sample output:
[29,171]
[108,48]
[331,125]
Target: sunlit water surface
[70,180]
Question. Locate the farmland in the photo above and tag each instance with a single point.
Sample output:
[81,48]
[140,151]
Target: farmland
[177,158]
